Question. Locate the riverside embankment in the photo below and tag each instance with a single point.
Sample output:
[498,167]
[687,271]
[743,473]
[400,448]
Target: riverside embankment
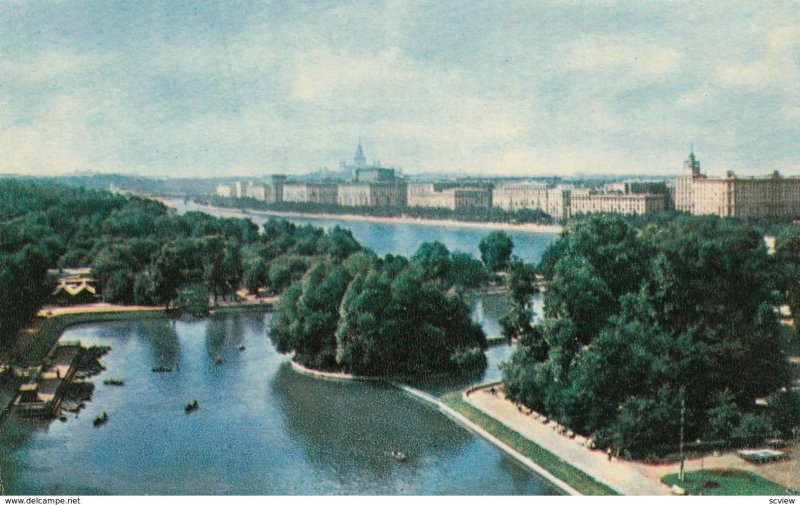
[404,236]
[522,227]
[626,476]
[452,414]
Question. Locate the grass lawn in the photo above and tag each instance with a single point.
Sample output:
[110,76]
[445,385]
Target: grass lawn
[726,482]
[583,483]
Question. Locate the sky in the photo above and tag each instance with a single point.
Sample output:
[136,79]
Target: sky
[524,88]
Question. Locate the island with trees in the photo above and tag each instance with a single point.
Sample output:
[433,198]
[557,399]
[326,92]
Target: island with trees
[386,317]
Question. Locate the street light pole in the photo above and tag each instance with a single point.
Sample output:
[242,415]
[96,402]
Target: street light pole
[681,472]
[702,461]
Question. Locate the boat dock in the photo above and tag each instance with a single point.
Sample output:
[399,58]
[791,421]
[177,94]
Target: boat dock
[41,396]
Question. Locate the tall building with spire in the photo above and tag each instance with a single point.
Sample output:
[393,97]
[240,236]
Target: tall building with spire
[359,161]
[372,185]
[692,165]
[367,172]
[684,184]
[772,196]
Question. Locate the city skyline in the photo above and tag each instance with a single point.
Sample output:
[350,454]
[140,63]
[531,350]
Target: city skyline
[518,88]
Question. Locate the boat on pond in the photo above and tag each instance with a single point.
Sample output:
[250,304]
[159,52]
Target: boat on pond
[400,456]
[101,419]
[192,406]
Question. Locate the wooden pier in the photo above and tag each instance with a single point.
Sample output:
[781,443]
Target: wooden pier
[43,394]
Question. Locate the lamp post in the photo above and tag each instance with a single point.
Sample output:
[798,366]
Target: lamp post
[702,454]
[682,472]
[702,460]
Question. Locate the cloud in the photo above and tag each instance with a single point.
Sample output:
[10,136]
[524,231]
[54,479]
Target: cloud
[482,87]
[55,142]
[47,66]
[396,100]
[626,57]
[777,66]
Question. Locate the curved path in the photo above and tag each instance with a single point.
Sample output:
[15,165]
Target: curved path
[449,412]
[630,478]
[625,477]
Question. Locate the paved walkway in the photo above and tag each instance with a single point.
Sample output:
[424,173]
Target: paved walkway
[627,477]
[93,308]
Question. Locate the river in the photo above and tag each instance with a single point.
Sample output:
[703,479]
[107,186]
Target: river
[405,239]
[398,237]
[261,427]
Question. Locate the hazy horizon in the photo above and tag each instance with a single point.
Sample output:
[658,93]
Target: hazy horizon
[206,89]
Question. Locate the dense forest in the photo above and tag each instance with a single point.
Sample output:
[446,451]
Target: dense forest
[141,252]
[642,324]
[480,215]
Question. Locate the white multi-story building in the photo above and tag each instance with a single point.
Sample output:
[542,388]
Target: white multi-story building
[616,203]
[224,190]
[773,196]
[513,196]
[448,197]
[321,193]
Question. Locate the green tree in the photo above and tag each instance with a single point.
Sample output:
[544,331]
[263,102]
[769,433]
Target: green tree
[467,272]
[496,249]
[24,273]
[398,324]
[339,244]
[166,276]
[222,265]
[516,322]
[119,288]
[637,320]
[143,289]
[255,274]
[232,270]
[192,297]
[285,270]
[433,259]
[787,255]
[306,322]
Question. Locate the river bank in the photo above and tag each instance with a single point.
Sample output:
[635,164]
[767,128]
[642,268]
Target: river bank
[40,337]
[35,341]
[452,414]
[521,227]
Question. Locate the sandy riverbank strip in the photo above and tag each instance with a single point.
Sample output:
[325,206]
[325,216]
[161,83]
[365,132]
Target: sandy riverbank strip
[522,227]
[630,478]
[95,308]
[35,341]
[102,308]
[337,376]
